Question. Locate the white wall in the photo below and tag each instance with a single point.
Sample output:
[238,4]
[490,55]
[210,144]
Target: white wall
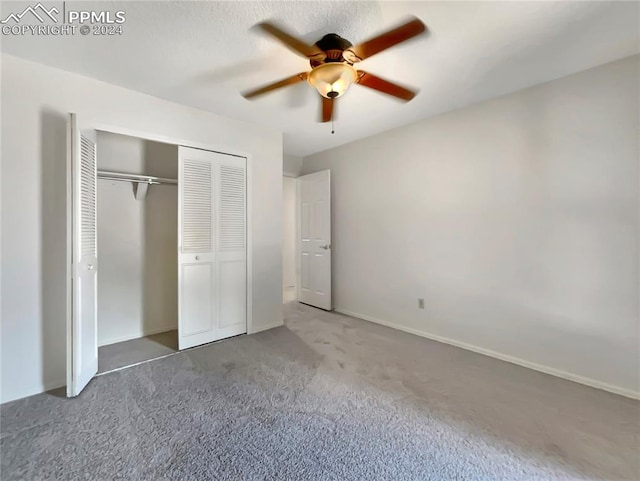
[291,165]
[137,241]
[35,102]
[289,233]
[516,219]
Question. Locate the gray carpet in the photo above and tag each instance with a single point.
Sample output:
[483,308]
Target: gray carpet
[127,353]
[327,397]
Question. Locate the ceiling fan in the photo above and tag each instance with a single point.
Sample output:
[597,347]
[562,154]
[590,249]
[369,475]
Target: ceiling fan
[332,58]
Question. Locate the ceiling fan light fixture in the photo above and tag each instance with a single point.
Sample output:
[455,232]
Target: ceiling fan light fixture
[332,80]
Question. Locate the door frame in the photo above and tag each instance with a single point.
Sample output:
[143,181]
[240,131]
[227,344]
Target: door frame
[146,135]
[295,228]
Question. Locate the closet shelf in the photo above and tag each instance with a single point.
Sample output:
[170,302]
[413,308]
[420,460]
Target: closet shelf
[146,179]
[141,182]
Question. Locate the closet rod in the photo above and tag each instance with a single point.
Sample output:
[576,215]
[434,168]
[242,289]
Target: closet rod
[145,179]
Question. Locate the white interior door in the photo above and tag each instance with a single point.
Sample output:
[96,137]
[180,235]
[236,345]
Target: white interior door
[314,239]
[82,328]
[212,270]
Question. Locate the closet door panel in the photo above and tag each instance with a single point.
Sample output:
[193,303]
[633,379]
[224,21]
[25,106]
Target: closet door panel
[82,326]
[212,251]
[232,206]
[198,282]
[233,296]
[197,277]
[197,204]
[231,253]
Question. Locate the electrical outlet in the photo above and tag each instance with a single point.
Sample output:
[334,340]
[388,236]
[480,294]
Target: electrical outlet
[420,303]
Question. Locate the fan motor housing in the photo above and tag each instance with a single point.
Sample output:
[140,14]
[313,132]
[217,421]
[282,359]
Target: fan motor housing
[333,45]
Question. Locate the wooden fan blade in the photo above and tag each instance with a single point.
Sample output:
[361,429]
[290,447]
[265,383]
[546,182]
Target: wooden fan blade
[294,79]
[327,109]
[386,40]
[384,86]
[292,42]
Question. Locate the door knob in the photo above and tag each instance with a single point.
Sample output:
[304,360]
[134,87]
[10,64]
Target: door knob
[326,246]
[197,258]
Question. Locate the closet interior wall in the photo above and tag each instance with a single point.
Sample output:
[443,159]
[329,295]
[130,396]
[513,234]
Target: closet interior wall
[137,241]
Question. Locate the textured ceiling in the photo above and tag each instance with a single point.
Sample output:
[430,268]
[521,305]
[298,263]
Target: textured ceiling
[203,54]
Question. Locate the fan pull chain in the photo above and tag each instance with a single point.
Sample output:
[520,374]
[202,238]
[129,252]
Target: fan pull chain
[332,131]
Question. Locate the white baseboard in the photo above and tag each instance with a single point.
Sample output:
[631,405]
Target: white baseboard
[44,387]
[267,327]
[148,332]
[498,355]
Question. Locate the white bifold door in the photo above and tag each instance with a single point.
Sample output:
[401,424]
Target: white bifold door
[314,239]
[212,261]
[82,325]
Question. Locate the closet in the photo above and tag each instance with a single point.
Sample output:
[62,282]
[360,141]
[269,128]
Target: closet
[137,242]
[158,250]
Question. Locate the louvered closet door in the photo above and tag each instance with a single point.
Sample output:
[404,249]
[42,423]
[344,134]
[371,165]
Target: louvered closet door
[212,247]
[231,246]
[82,339]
